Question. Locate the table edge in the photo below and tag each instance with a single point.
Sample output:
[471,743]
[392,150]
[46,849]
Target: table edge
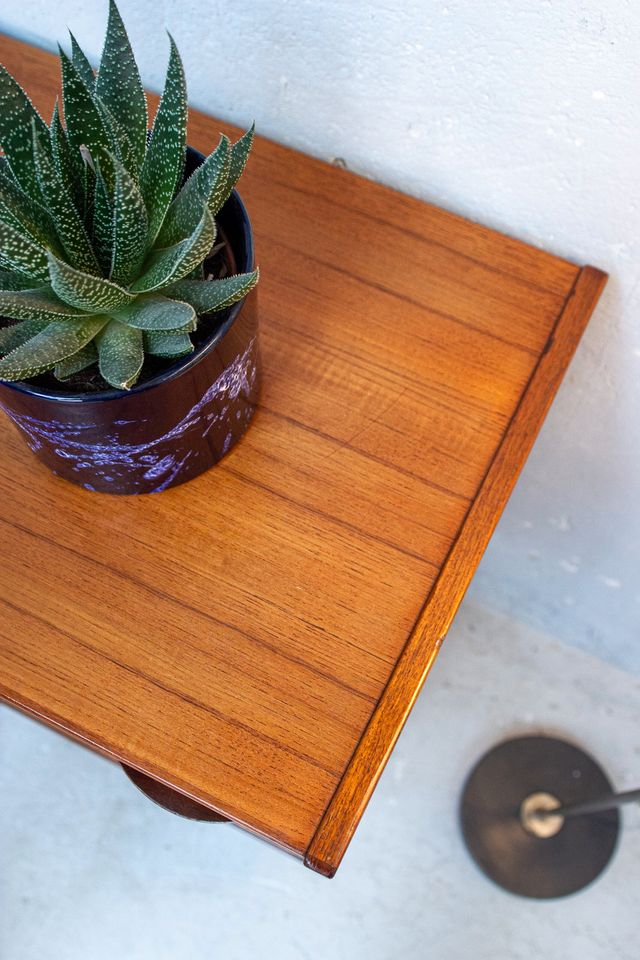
[100,746]
[348,803]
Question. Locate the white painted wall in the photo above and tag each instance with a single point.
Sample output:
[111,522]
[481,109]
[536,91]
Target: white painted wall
[523,115]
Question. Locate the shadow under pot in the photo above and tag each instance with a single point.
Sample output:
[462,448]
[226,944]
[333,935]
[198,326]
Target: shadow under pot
[178,420]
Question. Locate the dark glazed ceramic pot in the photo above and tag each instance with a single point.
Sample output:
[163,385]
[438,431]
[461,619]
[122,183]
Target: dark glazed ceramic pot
[168,429]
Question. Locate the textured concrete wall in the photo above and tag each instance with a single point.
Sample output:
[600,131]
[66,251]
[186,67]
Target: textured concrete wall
[522,115]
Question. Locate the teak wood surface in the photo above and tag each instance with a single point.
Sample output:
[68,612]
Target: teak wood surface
[256,638]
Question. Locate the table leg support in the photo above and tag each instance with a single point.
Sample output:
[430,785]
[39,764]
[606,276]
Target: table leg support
[170,799]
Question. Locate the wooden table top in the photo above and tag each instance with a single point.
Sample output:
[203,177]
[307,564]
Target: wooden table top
[257,637]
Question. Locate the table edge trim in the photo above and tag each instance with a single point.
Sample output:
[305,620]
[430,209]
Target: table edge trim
[347,805]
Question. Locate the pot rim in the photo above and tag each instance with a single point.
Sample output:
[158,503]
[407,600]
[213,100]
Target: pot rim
[181,365]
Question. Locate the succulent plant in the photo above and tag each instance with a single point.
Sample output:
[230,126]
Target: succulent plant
[101,242]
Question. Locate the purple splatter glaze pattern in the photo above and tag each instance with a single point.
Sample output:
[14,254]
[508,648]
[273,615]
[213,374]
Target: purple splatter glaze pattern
[113,460]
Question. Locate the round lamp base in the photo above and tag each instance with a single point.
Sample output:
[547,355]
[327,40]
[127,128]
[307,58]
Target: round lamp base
[170,799]
[530,856]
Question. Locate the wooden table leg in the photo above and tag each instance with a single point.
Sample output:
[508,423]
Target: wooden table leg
[170,799]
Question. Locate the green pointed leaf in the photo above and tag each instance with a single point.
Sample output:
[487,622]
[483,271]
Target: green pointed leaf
[88,190]
[102,223]
[122,148]
[84,291]
[161,343]
[68,163]
[18,253]
[82,65]
[54,343]
[130,228]
[158,313]
[206,185]
[119,84]
[16,116]
[164,159]
[121,354]
[40,303]
[85,126]
[13,280]
[173,263]
[78,361]
[239,156]
[198,272]
[26,215]
[5,169]
[15,334]
[206,296]
[69,226]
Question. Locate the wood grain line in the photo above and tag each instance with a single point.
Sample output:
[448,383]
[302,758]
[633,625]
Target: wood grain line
[162,594]
[406,380]
[366,454]
[56,628]
[171,691]
[349,801]
[314,511]
[404,298]
[414,235]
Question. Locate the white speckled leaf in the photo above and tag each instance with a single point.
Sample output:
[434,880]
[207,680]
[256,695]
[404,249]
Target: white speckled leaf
[206,185]
[68,163]
[16,115]
[19,253]
[161,343]
[85,126]
[196,274]
[173,263]
[239,156]
[25,214]
[122,148]
[121,354]
[15,334]
[119,85]
[6,170]
[102,222]
[12,280]
[206,296]
[40,303]
[69,226]
[55,342]
[164,159]
[82,65]
[88,190]
[78,361]
[81,290]
[158,313]
[130,228]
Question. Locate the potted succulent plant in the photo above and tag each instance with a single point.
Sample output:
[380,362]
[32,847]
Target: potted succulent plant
[128,327]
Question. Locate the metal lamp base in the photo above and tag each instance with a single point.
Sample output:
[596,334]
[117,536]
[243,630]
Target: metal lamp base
[523,853]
